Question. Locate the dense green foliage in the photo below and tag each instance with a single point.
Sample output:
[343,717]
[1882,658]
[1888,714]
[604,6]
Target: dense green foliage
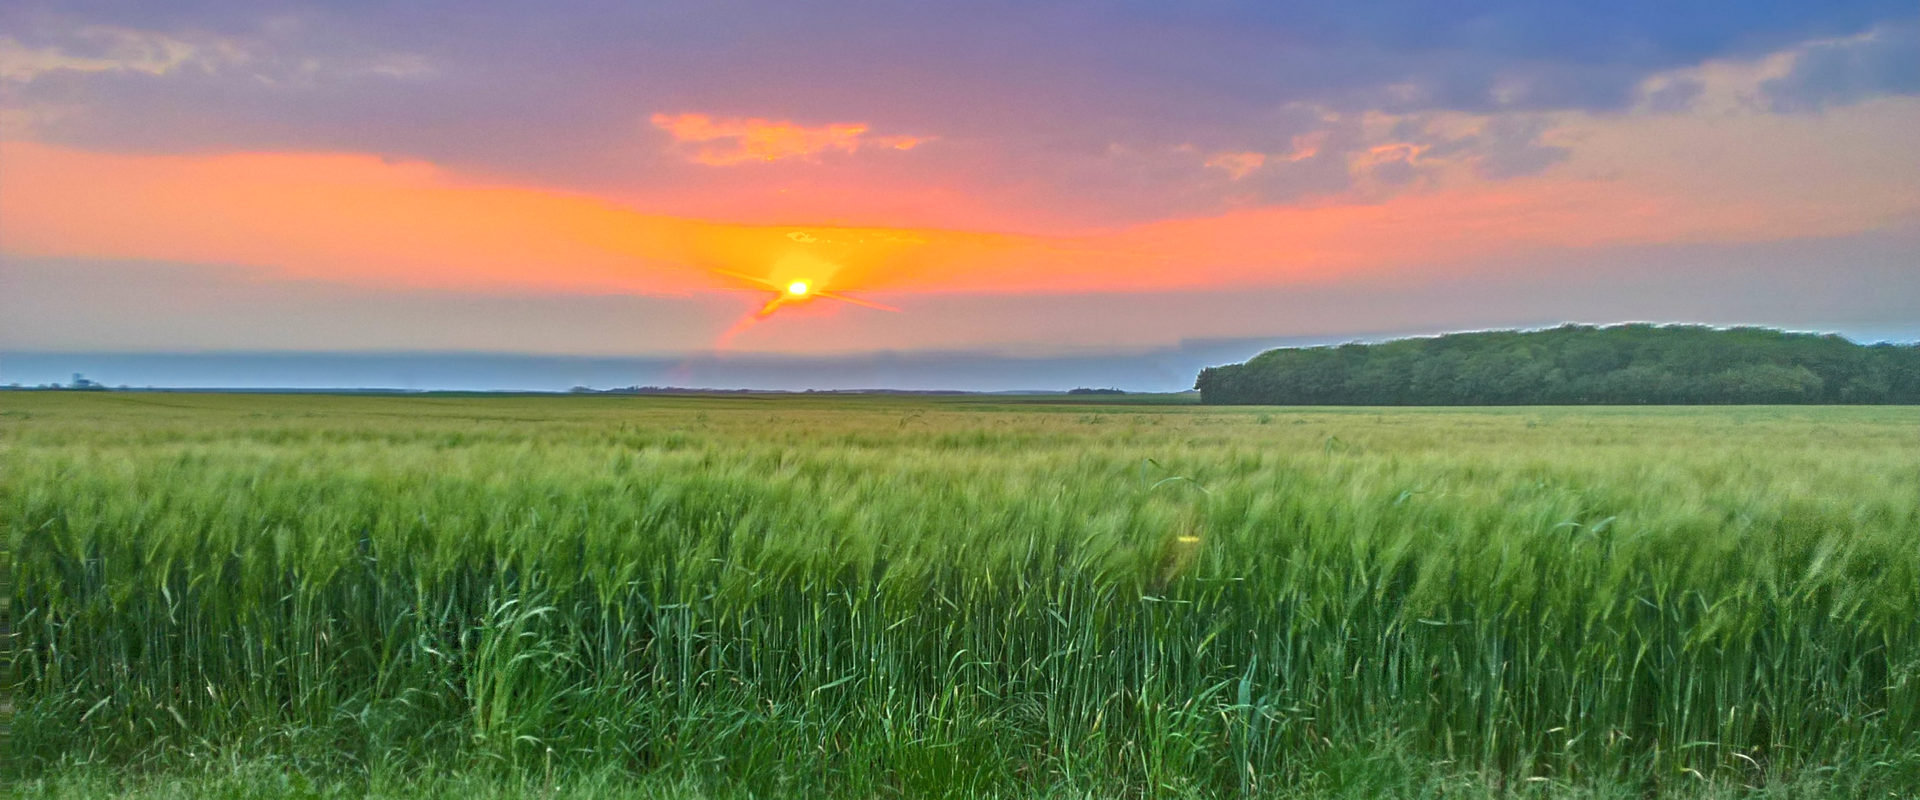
[1577,365]
[679,597]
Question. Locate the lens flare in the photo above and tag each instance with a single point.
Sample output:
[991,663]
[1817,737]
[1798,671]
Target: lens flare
[792,292]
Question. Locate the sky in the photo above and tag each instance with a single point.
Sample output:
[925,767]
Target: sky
[1034,185]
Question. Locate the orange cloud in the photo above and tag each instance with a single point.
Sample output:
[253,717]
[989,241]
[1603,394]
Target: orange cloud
[724,142]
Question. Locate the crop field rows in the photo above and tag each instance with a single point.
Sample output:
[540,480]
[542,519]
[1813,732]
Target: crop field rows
[856,596]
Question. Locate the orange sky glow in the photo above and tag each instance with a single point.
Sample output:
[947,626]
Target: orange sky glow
[367,220]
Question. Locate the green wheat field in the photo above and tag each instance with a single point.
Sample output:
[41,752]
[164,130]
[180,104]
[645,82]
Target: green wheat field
[227,595]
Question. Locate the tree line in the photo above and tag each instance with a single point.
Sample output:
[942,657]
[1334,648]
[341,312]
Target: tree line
[1577,364]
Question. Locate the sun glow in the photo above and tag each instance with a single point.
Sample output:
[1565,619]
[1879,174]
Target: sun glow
[785,292]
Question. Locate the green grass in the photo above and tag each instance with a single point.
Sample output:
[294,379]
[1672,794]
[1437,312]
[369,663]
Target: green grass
[790,596]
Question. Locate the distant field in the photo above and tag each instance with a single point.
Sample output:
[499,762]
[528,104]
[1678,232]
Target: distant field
[876,597]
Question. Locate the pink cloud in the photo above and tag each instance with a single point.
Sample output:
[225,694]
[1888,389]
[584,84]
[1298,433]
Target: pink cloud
[729,141]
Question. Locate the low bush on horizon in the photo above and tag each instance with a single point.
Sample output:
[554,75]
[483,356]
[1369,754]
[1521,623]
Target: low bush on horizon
[1637,364]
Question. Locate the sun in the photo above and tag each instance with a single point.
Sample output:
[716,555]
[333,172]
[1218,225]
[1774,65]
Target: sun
[786,293]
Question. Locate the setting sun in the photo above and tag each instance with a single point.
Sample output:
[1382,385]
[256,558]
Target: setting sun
[798,289]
